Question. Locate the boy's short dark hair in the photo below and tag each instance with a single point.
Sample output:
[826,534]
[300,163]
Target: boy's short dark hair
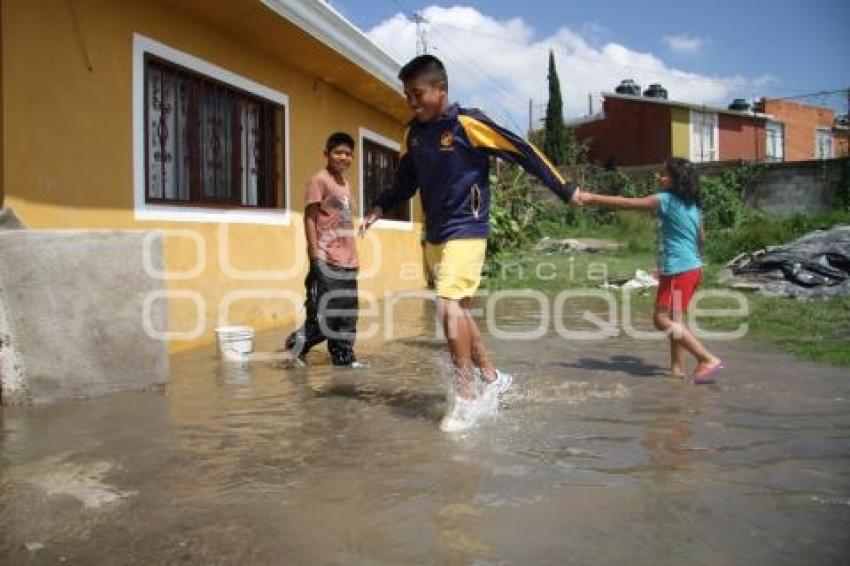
[337,139]
[426,66]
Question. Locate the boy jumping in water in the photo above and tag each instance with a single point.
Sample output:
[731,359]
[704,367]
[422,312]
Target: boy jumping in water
[445,153]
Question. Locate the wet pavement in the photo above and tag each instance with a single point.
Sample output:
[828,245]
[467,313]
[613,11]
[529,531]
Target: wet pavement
[598,458]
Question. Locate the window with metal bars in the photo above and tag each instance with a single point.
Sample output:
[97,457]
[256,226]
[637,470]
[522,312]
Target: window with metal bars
[210,144]
[379,165]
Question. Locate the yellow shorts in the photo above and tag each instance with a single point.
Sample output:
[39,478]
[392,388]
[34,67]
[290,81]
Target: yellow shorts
[456,265]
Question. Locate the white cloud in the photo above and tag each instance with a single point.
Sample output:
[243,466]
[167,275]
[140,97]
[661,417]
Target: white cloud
[498,65]
[684,43]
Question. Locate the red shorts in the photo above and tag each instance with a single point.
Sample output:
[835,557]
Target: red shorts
[676,291]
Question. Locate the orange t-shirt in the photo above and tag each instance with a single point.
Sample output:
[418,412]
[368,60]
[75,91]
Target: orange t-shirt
[335,225]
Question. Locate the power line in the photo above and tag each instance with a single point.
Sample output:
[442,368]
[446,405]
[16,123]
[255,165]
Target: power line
[493,83]
[496,86]
[679,74]
[841,91]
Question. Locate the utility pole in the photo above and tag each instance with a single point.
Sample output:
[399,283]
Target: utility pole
[421,37]
[540,108]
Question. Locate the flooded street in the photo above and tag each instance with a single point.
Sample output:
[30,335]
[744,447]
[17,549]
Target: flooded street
[597,458]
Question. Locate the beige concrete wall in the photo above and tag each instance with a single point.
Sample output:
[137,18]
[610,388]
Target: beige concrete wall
[63,341]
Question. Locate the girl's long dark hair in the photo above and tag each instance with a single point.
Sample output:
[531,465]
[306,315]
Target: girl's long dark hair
[685,180]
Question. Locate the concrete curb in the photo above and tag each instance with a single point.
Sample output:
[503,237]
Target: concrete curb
[71,314]
[8,220]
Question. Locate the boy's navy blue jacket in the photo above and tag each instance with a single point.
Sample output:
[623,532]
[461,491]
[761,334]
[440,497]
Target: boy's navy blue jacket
[447,160]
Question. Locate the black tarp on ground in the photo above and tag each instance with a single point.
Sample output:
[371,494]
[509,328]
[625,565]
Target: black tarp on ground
[816,265]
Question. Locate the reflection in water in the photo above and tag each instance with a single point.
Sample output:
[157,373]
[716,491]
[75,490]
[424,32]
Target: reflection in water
[596,459]
[669,466]
[458,515]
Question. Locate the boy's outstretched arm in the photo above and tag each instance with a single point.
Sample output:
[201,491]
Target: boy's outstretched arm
[486,135]
[403,188]
[647,204]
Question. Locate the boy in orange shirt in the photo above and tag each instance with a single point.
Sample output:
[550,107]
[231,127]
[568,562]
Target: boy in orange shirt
[331,282]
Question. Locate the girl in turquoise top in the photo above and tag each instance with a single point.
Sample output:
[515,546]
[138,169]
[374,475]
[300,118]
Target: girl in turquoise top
[680,239]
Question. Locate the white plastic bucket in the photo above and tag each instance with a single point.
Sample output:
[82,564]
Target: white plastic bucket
[235,343]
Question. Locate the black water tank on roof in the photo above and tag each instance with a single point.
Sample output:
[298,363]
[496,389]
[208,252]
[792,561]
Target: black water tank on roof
[740,105]
[655,90]
[628,86]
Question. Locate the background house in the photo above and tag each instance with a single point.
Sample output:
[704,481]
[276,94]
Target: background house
[635,129]
[841,136]
[645,129]
[808,132]
[203,119]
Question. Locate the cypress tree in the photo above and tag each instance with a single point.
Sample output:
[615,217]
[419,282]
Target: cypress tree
[555,140]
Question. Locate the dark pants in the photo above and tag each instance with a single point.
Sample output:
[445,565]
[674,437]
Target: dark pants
[322,323]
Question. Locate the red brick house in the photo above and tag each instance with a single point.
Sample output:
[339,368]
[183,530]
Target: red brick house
[807,131]
[646,130]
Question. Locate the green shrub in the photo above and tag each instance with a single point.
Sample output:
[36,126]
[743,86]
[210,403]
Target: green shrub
[506,232]
[758,231]
[518,219]
[513,214]
[723,196]
[844,187]
[636,230]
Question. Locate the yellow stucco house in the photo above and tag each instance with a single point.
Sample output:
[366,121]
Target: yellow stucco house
[202,119]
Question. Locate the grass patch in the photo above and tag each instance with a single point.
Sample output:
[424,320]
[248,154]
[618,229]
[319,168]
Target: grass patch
[758,232]
[815,330]
[636,230]
[554,272]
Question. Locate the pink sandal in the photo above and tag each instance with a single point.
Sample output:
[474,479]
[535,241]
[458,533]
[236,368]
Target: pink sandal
[709,375]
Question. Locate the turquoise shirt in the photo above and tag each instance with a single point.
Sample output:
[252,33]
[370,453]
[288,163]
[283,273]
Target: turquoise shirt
[677,231]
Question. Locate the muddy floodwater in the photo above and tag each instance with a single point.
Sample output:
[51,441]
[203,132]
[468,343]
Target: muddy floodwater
[597,458]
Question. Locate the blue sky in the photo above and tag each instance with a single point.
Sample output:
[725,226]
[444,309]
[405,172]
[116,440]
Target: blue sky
[713,50]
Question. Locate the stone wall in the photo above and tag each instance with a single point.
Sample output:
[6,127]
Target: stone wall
[785,189]
[782,189]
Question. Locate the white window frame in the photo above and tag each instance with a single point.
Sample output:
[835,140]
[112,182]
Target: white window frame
[772,125]
[148,211]
[828,133]
[365,133]
[715,151]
